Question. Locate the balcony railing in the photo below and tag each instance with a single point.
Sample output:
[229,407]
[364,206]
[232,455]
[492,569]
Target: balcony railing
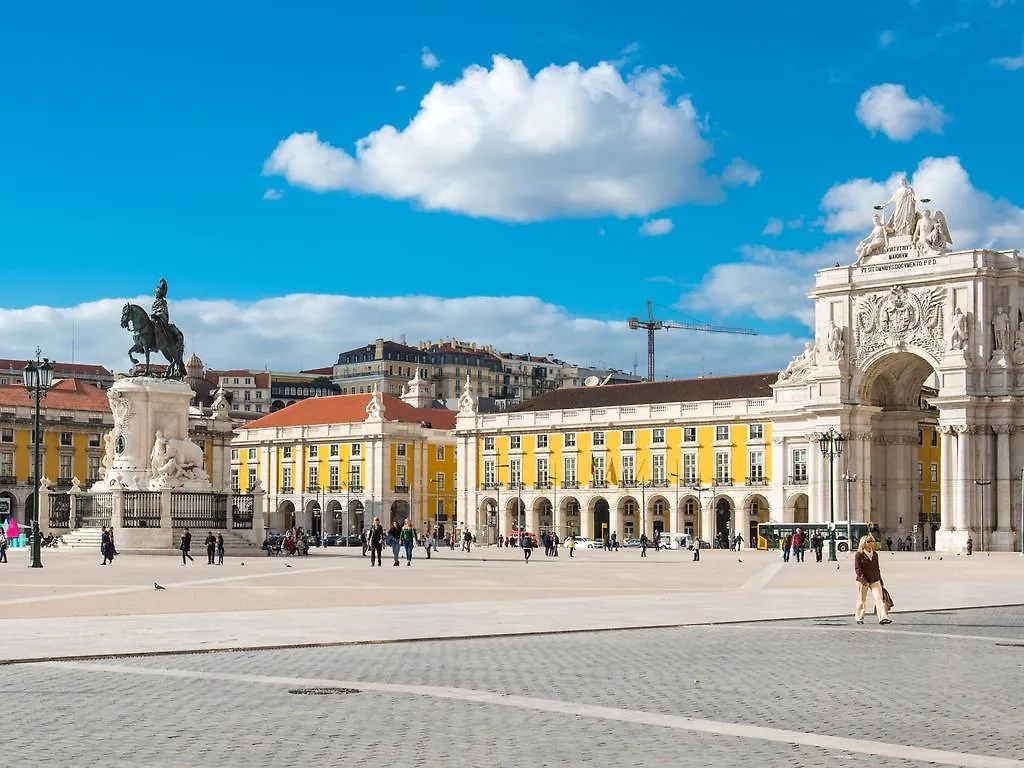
[333,488]
[570,485]
[541,486]
[355,489]
[401,489]
[599,484]
[726,481]
[798,480]
[285,489]
[757,481]
[313,488]
[490,486]
[8,480]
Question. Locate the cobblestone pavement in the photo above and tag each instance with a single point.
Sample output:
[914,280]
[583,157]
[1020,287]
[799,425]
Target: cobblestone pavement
[938,681]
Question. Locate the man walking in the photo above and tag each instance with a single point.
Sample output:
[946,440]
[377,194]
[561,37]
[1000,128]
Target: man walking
[105,546]
[643,544]
[186,546]
[211,547]
[467,540]
[375,538]
[527,544]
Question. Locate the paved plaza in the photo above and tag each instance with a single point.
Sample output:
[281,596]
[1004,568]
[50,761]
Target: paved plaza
[604,659]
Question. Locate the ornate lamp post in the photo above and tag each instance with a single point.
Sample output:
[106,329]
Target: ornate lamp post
[38,378]
[831,444]
[982,484]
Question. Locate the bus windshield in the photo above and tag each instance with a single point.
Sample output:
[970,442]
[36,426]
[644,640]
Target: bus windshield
[770,535]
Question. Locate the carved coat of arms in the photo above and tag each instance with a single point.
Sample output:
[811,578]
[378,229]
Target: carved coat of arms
[898,318]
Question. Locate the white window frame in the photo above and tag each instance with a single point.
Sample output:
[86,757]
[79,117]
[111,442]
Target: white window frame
[439,453]
[756,431]
[400,449]
[488,443]
[569,476]
[490,473]
[689,434]
[658,468]
[658,435]
[286,477]
[690,469]
[515,442]
[542,441]
[570,439]
[515,472]
[598,476]
[933,472]
[755,466]
[628,474]
[334,451]
[799,459]
[543,474]
[722,433]
[628,437]
[356,449]
[597,439]
[723,467]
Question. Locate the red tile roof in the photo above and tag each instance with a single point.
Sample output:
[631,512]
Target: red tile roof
[320,371]
[65,394]
[70,369]
[347,409]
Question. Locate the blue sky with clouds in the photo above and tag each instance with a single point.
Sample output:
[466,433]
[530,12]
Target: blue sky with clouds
[569,157]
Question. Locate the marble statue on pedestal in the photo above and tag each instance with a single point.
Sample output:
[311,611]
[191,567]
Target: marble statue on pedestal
[175,461]
[904,208]
[155,333]
[959,335]
[875,242]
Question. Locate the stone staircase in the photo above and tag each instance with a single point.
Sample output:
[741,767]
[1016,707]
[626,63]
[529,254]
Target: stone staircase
[90,538]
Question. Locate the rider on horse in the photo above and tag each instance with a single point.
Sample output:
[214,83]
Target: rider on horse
[160,316]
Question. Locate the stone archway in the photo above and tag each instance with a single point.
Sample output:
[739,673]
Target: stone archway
[569,512]
[723,507]
[284,518]
[600,517]
[755,507]
[355,521]
[334,515]
[628,509]
[797,508]
[690,506]
[399,511]
[542,516]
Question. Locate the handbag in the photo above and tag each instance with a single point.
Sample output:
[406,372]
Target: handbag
[887,599]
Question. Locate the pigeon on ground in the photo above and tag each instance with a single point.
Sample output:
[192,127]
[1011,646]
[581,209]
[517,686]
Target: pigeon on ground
[287,565]
[940,558]
[241,563]
[837,567]
[157,586]
[738,560]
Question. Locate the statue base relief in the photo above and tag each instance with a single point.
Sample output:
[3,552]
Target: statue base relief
[148,449]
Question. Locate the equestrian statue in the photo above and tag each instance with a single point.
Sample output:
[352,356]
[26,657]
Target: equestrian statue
[155,333]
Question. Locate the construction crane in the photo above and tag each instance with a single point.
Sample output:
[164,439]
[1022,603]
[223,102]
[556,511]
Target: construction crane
[651,325]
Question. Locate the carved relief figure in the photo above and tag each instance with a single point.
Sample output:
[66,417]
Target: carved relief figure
[959,335]
[932,231]
[799,365]
[107,461]
[1001,329]
[836,344]
[875,242]
[898,318]
[174,461]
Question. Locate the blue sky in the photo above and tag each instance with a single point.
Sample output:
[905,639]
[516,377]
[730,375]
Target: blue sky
[141,141]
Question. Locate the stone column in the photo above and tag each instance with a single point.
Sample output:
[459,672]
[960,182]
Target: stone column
[947,504]
[532,518]
[73,506]
[614,520]
[1004,482]
[44,507]
[117,513]
[963,477]
[707,520]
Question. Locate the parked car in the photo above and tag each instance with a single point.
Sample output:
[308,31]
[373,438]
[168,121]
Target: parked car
[631,544]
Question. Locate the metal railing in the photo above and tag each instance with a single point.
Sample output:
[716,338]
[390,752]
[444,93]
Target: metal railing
[242,511]
[60,510]
[199,510]
[401,489]
[141,509]
[797,480]
[93,510]
[8,480]
[355,489]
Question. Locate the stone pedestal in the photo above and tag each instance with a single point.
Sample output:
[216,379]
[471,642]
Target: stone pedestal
[955,541]
[144,407]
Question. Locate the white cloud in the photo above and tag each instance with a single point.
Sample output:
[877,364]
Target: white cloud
[885,38]
[772,284]
[273,194]
[309,330]
[399,88]
[1011,63]
[888,109]
[429,60]
[502,144]
[656,227]
[774,227]
[739,171]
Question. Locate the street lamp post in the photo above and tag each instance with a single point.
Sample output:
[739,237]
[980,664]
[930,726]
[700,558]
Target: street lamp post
[982,484]
[849,480]
[38,378]
[831,444]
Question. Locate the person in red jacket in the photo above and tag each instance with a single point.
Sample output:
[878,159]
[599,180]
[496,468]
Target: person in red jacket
[799,543]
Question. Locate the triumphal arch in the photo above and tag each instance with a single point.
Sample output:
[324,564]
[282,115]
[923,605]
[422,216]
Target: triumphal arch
[913,330]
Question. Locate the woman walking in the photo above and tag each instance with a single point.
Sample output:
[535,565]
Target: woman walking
[869,577]
[570,544]
[408,535]
[220,549]
[395,539]
[375,539]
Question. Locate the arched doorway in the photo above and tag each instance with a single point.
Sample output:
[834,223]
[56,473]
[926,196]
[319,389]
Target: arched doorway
[544,513]
[570,513]
[399,511]
[333,517]
[600,514]
[312,518]
[355,518]
[285,517]
[756,512]
[691,515]
[658,508]
[629,509]
[489,518]
[723,520]
[797,508]
[515,511]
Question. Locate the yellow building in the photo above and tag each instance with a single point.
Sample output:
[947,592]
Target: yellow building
[687,456]
[698,456]
[331,464]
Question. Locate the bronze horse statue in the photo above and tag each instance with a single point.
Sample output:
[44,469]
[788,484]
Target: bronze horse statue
[144,334]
